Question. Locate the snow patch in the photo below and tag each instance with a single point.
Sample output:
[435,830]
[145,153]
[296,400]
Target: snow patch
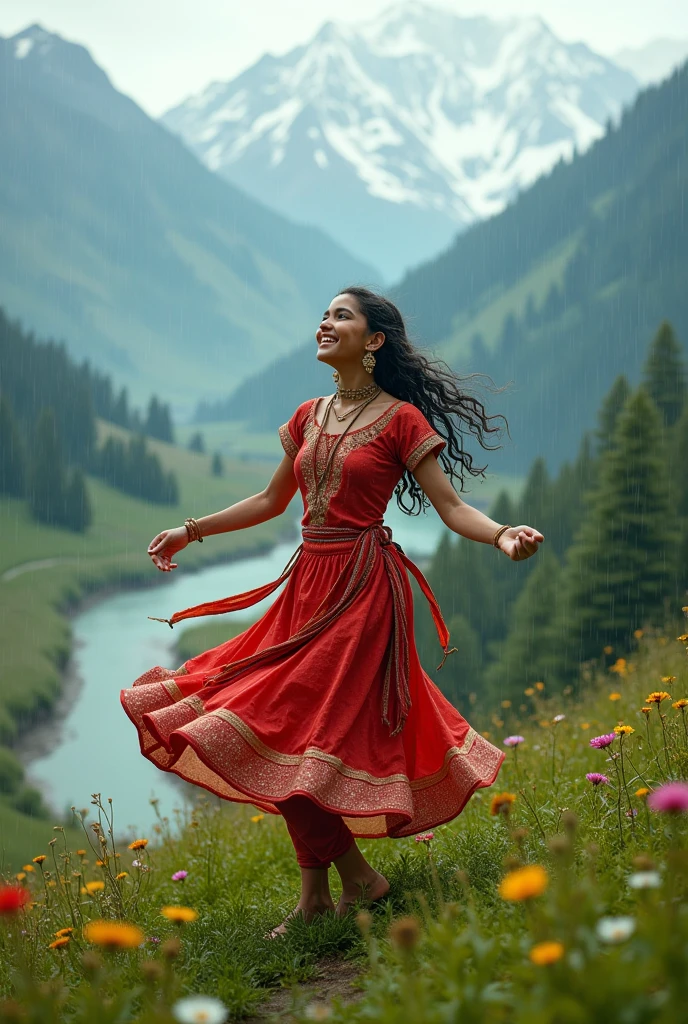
[22,48]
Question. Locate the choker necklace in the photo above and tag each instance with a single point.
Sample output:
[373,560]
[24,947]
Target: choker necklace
[366,392]
[352,411]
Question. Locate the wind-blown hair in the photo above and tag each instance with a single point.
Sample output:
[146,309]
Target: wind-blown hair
[444,397]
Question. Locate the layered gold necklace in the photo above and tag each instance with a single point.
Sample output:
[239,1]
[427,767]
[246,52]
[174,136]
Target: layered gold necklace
[370,393]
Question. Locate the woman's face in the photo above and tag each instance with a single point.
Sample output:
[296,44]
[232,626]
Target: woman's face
[343,335]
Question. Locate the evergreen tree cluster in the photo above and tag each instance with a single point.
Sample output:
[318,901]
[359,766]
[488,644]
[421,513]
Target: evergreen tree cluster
[132,468]
[614,559]
[48,409]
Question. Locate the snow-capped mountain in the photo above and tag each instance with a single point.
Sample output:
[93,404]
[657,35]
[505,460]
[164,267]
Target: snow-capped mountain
[395,133]
[655,61]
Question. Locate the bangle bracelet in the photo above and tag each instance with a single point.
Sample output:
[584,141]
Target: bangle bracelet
[193,530]
[498,534]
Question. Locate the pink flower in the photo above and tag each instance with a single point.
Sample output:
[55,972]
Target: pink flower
[672,798]
[425,837]
[598,742]
[596,778]
[513,741]
[179,876]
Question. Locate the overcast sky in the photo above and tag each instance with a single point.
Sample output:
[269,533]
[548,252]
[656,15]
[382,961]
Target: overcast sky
[160,52]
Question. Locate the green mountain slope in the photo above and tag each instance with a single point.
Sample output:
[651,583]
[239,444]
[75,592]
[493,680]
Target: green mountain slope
[559,293]
[115,238]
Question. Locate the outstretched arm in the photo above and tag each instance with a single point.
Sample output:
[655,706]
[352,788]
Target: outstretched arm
[268,503]
[518,542]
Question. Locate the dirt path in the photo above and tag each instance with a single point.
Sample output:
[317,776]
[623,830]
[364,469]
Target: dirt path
[43,563]
[336,977]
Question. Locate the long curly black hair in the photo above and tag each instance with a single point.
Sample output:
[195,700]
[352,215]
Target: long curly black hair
[444,398]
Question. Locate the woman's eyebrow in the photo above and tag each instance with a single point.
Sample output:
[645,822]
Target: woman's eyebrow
[339,309]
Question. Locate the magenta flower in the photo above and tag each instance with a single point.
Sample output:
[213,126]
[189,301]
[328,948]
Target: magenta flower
[425,837]
[179,876]
[672,798]
[513,741]
[599,742]
[596,778]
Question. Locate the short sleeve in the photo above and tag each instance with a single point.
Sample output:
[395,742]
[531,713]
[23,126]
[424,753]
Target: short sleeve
[416,437]
[291,433]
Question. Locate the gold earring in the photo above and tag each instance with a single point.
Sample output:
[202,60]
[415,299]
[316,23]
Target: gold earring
[369,362]
[335,377]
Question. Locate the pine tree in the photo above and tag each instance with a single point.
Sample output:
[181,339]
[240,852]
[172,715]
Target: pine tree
[46,487]
[78,514]
[525,655]
[619,568]
[217,467]
[612,404]
[664,374]
[12,453]
[462,671]
[534,507]
[196,443]
[159,421]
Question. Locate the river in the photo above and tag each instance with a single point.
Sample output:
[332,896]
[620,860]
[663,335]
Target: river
[91,746]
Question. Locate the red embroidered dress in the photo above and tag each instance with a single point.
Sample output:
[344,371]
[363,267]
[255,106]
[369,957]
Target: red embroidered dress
[325,695]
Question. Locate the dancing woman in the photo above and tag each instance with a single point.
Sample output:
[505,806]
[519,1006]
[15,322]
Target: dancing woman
[320,711]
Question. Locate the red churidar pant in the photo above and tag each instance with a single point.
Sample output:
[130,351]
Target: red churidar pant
[319,836]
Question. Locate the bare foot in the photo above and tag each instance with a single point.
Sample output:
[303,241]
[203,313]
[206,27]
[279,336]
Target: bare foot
[368,889]
[307,912]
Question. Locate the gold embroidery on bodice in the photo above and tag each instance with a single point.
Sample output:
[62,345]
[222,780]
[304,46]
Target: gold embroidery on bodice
[318,504]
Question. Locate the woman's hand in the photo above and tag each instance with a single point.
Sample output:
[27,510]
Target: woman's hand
[519,542]
[165,546]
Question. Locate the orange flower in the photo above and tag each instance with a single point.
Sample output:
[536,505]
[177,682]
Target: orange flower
[524,883]
[39,859]
[529,691]
[657,697]
[81,853]
[646,711]
[121,875]
[545,953]
[615,696]
[20,876]
[257,817]
[506,703]
[608,649]
[619,666]
[585,725]
[28,867]
[60,943]
[113,934]
[668,680]
[624,730]
[643,791]
[637,633]
[64,931]
[501,802]
[92,887]
[680,704]
[138,844]
[539,686]
[180,915]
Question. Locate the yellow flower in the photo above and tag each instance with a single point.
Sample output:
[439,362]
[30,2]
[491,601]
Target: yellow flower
[637,633]
[28,867]
[180,915]
[81,853]
[121,875]
[657,697]
[486,735]
[506,703]
[585,725]
[529,691]
[257,817]
[615,696]
[101,863]
[39,859]
[539,686]
[138,844]
[668,680]
[113,934]
[60,943]
[546,953]
[679,704]
[683,637]
[643,791]
[20,876]
[501,801]
[619,666]
[94,886]
[608,649]
[624,730]
[524,883]
[64,931]
[646,711]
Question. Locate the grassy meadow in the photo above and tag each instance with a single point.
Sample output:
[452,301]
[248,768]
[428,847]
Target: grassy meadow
[555,896]
[45,572]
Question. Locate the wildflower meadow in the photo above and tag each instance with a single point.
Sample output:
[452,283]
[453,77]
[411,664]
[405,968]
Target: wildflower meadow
[559,895]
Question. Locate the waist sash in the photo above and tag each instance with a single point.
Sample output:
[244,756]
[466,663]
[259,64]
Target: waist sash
[365,546]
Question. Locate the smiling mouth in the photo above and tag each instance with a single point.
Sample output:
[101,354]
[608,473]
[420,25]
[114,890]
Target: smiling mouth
[327,337]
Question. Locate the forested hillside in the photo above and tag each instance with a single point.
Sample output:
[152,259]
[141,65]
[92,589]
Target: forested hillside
[614,558]
[117,239]
[559,293]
